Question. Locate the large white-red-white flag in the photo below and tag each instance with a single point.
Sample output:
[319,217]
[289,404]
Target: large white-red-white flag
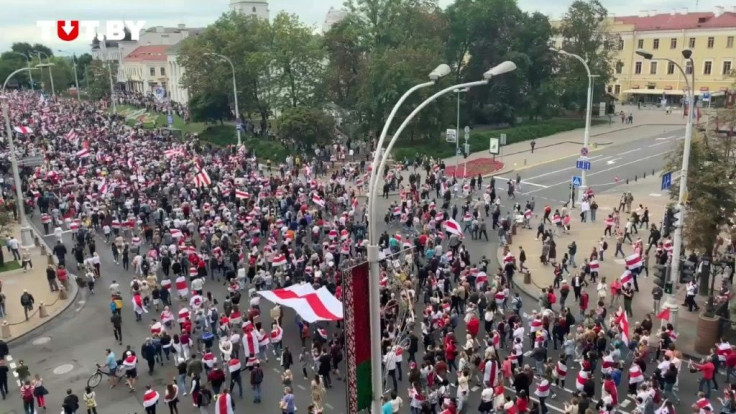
[23,130]
[316,199]
[633,261]
[453,227]
[84,153]
[202,179]
[312,305]
[623,325]
[243,195]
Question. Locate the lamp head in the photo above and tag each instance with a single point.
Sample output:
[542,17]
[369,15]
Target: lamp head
[646,55]
[43,65]
[500,69]
[440,71]
[687,53]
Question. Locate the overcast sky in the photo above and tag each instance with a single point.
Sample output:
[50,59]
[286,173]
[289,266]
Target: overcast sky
[18,20]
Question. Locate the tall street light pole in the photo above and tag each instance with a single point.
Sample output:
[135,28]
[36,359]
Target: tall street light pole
[49,64]
[238,121]
[457,130]
[674,273]
[28,65]
[76,78]
[373,258]
[588,114]
[26,234]
[374,286]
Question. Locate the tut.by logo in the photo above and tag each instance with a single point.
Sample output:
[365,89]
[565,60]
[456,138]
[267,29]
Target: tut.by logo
[68,30]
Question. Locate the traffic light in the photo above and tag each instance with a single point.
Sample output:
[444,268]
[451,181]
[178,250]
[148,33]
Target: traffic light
[677,218]
[667,222]
[660,275]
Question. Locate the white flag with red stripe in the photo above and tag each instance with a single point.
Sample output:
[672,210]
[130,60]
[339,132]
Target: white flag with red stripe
[312,305]
[316,199]
[23,130]
[84,153]
[453,227]
[633,261]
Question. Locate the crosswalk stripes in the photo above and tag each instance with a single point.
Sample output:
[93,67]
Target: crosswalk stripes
[12,365]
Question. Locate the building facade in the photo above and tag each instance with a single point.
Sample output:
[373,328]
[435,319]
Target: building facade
[251,8]
[710,36]
[176,91]
[146,68]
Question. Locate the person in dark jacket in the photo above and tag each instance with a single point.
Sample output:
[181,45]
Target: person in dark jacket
[148,352]
[4,350]
[71,403]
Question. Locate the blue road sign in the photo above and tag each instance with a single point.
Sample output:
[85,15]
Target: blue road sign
[576,181]
[171,120]
[582,164]
[666,181]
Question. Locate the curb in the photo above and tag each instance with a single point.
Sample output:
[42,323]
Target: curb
[71,299]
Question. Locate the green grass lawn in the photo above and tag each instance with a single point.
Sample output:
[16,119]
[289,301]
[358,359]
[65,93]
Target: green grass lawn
[10,265]
[480,140]
[222,135]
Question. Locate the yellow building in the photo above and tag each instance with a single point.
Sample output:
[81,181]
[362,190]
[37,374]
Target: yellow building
[710,36]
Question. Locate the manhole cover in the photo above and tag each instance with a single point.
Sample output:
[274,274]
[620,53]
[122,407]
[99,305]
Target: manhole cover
[63,369]
[42,340]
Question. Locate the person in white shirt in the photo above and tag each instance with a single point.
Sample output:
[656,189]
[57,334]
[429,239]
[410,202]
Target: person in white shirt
[389,362]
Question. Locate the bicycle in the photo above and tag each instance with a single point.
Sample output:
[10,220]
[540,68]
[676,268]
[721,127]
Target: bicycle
[95,379]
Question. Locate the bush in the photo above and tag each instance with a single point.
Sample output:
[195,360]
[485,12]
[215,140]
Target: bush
[223,135]
[480,140]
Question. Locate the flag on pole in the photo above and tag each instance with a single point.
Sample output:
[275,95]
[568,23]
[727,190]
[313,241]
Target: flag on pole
[664,315]
[23,130]
[83,153]
[202,179]
[623,325]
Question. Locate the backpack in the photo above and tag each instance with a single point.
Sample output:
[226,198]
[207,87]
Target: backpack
[205,397]
[605,245]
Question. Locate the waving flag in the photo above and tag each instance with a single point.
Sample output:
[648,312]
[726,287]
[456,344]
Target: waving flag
[633,261]
[627,277]
[312,305]
[278,260]
[173,152]
[243,195]
[23,130]
[316,199]
[83,153]
[453,227]
[72,136]
[623,325]
[202,179]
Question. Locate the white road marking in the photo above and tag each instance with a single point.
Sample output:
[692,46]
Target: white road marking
[659,143]
[629,152]
[328,405]
[563,169]
[655,194]
[567,182]
[665,138]
[523,182]
[301,387]
[624,403]
[613,161]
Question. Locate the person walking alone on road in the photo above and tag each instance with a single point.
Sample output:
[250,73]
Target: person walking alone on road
[26,301]
[89,400]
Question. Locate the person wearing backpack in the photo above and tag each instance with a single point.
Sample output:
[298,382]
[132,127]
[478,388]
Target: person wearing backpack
[26,393]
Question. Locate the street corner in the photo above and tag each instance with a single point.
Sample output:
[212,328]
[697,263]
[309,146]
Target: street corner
[484,166]
[646,191]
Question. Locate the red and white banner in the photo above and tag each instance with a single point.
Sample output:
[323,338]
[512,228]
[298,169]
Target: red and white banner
[627,277]
[278,260]
[453,227]
[202,179]
[243,195]
[23,130]
[623,325]
[633,261]
[150,398]
[83,153]
[312,305]
[316,199]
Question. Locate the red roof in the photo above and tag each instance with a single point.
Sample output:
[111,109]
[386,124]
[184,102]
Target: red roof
[147,53]
[680,21]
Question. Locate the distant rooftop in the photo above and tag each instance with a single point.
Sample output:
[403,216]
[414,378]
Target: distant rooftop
[147,53]
[680,21]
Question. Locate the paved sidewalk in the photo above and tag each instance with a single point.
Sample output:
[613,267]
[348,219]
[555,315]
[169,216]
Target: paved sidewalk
[587,236]
[34,280]
[552,148]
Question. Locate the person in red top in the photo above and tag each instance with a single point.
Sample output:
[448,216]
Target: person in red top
[522,402]
[610,387]
[708,369]
[61,274]
[450,352]
[473,326]
[731,364]
[584,299]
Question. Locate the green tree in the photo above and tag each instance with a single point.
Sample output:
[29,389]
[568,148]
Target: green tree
[347,57]
[209,107]
[98,84]
[711,200]
[28,49]
[584,32]
[306,126]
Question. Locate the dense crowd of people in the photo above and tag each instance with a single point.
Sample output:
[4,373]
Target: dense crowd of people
[180,216]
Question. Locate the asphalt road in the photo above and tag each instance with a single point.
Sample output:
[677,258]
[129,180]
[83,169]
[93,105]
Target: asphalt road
[551,181]
[65,351]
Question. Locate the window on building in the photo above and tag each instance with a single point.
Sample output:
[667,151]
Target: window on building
[637,68]
[711,42]
[163,71]
[655,44]
[640,44]
[726,67]
[619,67]
[621,44]
[652,68]
[152,71]
[670,68]
[254,9]
[688,68]
[729,42]
[707,67]
[673,43]
[617,89]
[691,43]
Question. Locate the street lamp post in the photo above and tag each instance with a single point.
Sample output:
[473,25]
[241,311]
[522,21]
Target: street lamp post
[588,114]
[28,65]
[374,287]
[238,122]
[457,129]
[26,234]
[373,258]
[76,79]
[674,273]
[51,74]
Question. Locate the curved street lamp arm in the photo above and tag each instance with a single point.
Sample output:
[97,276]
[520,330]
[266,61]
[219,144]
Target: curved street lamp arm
[13,74]
[384,158]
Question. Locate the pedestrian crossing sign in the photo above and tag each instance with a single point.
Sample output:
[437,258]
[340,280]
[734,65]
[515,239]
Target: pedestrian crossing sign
[576,181]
